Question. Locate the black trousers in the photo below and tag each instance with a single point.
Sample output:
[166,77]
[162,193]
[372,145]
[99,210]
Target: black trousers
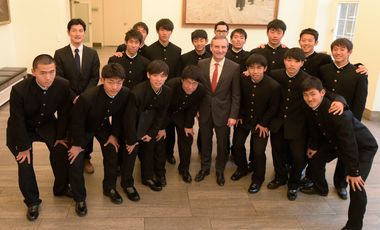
[170,140]
[257,147]
[222,145]
[27,178]
[153,158]
[358,199]
[281,148]
[184,149]
[127,165]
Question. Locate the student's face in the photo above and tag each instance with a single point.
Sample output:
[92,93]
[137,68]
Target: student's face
[221,30]
[199,44]
[340,54]
[275,36]
[157,80]
[219,49]
[238,41]
[76,34]
[164,35]
[44,74]
[189,85]
[256,72]
[292,65]
[143,32]
[133,46]
[112,86]
[313,97]
[307,43]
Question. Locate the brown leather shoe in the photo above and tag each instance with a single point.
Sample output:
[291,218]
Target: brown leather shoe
[88,167]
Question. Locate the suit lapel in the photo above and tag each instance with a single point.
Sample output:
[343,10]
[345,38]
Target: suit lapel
[70,58]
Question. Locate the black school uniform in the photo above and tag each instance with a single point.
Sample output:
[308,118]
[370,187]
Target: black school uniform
[274,56]
[259,105]
[32,119]
[181,112]
[122,48]
[192,58]
[171,55]
[313,63]
[238,57]
[145,114]
[348,139]
[91,118]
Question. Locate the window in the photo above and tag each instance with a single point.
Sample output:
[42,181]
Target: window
[345,22]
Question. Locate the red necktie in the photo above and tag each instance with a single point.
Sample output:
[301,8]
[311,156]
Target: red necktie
[214,80]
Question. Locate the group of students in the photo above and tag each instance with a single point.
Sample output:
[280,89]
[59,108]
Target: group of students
[149,92]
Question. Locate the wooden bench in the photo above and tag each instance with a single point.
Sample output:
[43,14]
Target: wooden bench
[9,76]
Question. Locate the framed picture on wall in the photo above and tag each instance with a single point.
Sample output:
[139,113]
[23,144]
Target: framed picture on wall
[234,12]
[5,16]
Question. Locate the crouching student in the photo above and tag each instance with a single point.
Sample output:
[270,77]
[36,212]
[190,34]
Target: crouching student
[343,137]
[91,118]
[260,100]
[143,127]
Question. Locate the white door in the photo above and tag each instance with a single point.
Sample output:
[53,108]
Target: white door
[82,9]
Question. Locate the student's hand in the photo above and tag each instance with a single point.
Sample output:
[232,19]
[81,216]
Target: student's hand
[113,141]
[362,70]
[189,131]
[310,153]
[356,182]
[336,108]
[75,99]
[161,135]
[21,156]
[262,46]
[130,148]
[118,54]
[264,132]
[283,46]
[62,142]
[231,122]
[239,121]
[74,152]
[246,73]
[146,138]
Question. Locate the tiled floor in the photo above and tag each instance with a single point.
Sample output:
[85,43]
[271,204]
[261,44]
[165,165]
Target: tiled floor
[192,206]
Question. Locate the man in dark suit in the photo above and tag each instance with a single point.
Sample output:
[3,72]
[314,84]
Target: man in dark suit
[341,136]
[220,107]
[33,104]
[80,65]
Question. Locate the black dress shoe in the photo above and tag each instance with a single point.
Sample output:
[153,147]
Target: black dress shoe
[342,193]
[186,176]
[292,194]
[171,160]
[254,188]
[81,208]
[311,191]
[132,193]
[161,180]
[275,184]
[238,174]
[220,178]
[155,186]
[114,196]
[306,183]
[33,212]
[201,175]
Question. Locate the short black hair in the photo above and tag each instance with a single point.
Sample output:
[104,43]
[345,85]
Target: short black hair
[276,24]
[76,21]
[164,23]
[142,25]
[113,70]
[133,34]
[42,59]
[310,31]
[192,72]
[239,31]
[157,67]
[198,34]
[221,23]
[256,59]
[295,53]
[311,83]
[342,42]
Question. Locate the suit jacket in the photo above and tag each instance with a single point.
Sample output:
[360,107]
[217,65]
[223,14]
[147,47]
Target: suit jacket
[225,102]
[32,112]
[79,81]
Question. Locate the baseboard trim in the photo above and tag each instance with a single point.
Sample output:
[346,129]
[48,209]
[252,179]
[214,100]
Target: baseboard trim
[97,44]
[371,115]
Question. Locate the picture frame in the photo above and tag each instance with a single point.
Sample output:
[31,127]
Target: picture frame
[5,16]
[234,12]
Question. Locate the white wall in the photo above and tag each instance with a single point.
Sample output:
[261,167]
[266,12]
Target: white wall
[37,26]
